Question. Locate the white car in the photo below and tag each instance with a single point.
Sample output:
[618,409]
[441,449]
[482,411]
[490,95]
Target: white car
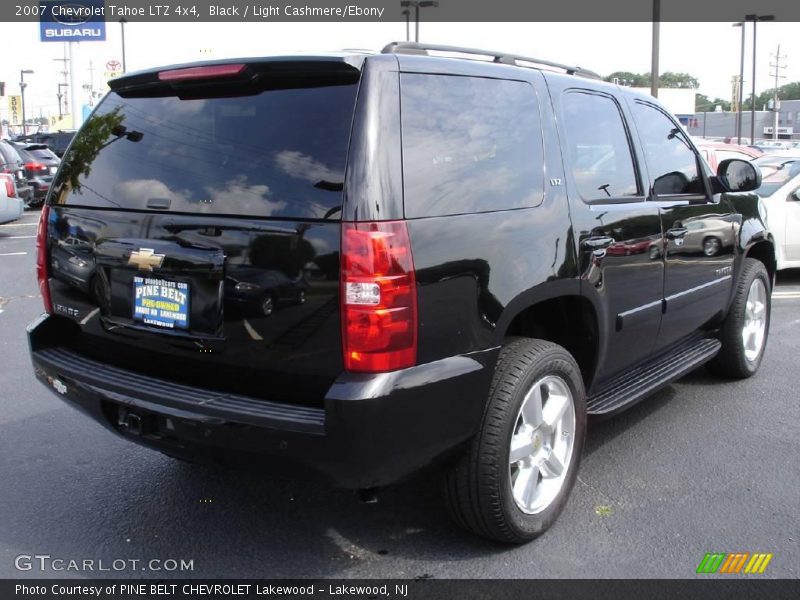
[11,207]
[780,192]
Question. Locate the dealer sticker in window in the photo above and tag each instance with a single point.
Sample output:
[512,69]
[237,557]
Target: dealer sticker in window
[161,302]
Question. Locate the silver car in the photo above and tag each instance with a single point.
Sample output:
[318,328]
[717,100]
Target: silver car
[11,207]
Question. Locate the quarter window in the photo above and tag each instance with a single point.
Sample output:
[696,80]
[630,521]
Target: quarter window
[469,145]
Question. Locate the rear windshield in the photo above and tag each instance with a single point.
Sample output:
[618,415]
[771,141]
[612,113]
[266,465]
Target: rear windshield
[278,153]
[9,154]
[24,154]
[43,153]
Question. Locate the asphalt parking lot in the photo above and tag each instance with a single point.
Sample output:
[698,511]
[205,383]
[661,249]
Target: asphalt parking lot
[704,465]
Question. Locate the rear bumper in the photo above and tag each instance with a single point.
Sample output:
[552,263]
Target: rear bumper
[25,193]
[372,431]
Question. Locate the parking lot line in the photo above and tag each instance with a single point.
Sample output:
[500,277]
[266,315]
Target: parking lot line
[12,253]
[33,224]
[17,237]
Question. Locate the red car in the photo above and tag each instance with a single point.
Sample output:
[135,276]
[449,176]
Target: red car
[716,152]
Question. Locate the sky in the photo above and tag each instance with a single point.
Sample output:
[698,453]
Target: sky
[708,51]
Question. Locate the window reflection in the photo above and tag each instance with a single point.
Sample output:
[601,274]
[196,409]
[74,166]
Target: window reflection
[278,153]
[598,147]
[469,145]
[670,159]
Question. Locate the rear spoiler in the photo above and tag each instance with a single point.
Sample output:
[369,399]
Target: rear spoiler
[207,77]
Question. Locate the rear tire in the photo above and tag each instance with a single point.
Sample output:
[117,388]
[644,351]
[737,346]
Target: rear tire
[536,413]
[746,328]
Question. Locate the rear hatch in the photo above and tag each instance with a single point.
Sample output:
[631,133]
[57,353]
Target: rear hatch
[194,226]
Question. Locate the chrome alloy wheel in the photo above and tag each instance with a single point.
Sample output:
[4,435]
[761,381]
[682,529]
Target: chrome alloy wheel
[755,320]
[541,445]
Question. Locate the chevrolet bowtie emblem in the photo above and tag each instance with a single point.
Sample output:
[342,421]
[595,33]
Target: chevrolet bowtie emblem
[145,259]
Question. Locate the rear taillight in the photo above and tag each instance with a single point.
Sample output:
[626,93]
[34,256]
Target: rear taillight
[35,166]
[42,274]
[379,297]
[11,189]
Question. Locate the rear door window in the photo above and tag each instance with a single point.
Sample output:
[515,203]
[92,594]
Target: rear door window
[598,148]
[276,153]
[469,145]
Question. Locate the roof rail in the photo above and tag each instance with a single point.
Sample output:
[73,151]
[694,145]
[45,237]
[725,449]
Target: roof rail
[498,57]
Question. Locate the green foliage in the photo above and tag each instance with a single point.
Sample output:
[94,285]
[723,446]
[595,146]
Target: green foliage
[789,91]
[668,79]
[703,103]
[631,79]
[96,134]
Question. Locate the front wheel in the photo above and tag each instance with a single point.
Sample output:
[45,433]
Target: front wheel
[515,479]
[746,328]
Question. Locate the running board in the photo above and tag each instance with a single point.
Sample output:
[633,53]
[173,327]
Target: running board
[630,387]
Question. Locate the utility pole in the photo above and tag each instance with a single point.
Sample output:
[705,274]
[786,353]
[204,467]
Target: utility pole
[776,104]
[654,50]
[65,68]
[91,83]
[755,19]
[739,94]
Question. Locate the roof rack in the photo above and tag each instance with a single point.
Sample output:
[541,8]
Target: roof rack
[498,57]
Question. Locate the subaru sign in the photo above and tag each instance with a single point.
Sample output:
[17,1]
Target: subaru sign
[72,21]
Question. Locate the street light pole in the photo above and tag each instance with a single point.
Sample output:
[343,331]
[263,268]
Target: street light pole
[654,51]
[755,19]
[741,87]
[122,22]
[22,86]
[407,13]
[417,4]
[424,4]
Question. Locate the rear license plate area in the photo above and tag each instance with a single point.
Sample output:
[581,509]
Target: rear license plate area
[161,302]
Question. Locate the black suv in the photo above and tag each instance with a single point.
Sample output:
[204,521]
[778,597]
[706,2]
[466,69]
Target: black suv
[488,251]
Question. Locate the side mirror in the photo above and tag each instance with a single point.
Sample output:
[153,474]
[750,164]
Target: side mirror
[737,175]
[795,195]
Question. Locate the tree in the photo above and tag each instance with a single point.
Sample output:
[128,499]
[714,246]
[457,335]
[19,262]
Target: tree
[703,103]
[97,133]
[789,91]
[628,78]
[668,79]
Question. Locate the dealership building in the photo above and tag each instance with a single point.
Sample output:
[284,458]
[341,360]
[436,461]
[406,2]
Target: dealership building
[722,124]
